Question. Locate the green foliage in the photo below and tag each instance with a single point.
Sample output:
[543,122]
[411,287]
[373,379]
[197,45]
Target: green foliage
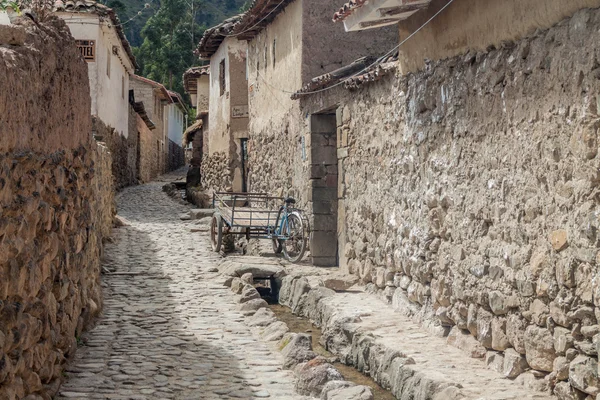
[169,38]
[246,6]
[164,35]
[5,4]
[208,13]
[192,112]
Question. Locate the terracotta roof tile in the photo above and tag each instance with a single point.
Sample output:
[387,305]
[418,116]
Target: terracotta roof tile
[404,7]
[92,7]
[160,86]
[260,14]
[190,76]
[213,37]
[347,9]
[361,71]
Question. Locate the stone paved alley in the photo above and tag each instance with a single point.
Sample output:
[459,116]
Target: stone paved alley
[169,330]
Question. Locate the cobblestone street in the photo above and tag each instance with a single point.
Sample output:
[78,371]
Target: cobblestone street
[170,329]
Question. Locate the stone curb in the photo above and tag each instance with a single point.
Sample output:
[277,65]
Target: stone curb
[271,329]
[353,342]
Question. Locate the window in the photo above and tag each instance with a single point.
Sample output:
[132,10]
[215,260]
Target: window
[222,77]
[122,86]
[274,48]
[108,63]
[247,63]
[266,59]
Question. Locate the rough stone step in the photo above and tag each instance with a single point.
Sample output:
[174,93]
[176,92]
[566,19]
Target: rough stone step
[399,354]
[257,266]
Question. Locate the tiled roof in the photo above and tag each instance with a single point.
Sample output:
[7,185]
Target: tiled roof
[91,7]
[188,134]
[347,9]
[140,109]
[163,90]
[213,37]
[260,14]
[190,76]
[177,99]
[398,12]
[361,71]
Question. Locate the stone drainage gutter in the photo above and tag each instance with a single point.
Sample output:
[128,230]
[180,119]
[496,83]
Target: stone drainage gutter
[398,354]
[315,375]
[369,334]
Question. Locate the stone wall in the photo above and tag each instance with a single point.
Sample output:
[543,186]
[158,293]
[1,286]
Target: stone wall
[149,152]
[215,172]
[153,98]
[56,197]
[477,24]
[470,193]
[176,156]
[123,150]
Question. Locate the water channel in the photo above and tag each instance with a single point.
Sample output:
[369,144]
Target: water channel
[303,325]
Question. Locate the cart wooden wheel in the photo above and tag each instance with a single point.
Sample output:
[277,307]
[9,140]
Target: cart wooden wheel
[277,245]
[216,232]
[295,244]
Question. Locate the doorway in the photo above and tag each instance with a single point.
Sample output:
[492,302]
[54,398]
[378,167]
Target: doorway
[138,156]
[244,147]
[324,189]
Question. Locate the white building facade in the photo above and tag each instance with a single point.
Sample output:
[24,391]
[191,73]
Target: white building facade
[176,113]
[110,60]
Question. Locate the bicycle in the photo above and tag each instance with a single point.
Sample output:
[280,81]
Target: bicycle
[251,215]
[289,236]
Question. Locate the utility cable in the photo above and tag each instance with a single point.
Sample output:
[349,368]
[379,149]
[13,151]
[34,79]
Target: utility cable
[377,62]
[261,20]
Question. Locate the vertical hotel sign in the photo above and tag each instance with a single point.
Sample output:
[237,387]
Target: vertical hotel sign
[87,49]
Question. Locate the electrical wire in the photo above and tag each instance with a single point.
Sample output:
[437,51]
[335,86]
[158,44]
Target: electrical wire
[377,62]
[261,20]
[140,13]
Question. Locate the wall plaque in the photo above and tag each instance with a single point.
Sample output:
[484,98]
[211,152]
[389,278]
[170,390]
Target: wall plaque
[87,49]
[239,112]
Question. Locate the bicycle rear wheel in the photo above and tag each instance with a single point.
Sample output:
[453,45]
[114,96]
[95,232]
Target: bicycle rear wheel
[216,232]
[277,245]
[295,244]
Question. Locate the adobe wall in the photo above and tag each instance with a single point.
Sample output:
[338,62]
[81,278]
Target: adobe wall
[123,150]
[56,197]
[327,46]
[477,24]
[147,94]
[149,152]
[176,156]
[203,92]
[470,193]
[276,163]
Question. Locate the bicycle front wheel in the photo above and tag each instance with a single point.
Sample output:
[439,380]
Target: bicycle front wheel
[294,245]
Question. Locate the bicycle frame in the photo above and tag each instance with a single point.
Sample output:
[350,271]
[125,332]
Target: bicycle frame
[281,222]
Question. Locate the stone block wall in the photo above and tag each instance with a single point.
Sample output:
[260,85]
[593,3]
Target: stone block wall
[149,165]
[215,172]
[123,150]
[468,197]
[56,197]
[176,156]
[278,159]
[471,192]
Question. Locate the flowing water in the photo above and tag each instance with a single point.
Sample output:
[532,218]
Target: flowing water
[303,325]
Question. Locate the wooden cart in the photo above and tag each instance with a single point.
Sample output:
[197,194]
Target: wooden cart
[260,216]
